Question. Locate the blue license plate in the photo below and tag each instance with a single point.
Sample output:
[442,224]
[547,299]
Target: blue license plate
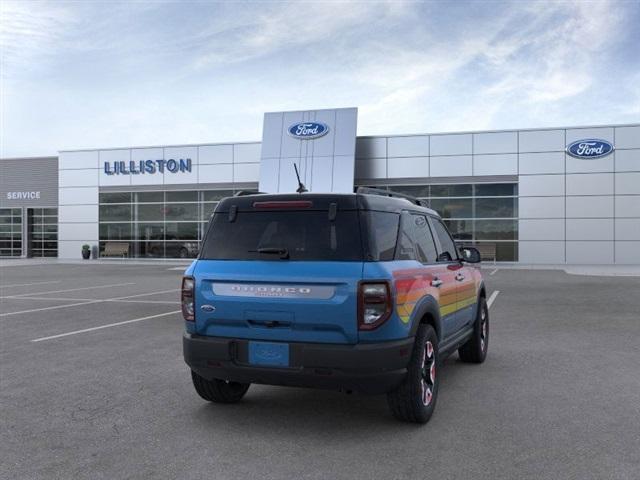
[270,354]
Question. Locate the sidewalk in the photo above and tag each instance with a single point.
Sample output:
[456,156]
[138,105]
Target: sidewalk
[29,262]
[593,270]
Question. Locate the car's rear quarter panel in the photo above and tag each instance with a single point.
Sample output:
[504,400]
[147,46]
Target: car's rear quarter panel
[411,284]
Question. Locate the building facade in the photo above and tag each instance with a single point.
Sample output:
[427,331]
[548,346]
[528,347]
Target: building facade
[539,196]
[29,207]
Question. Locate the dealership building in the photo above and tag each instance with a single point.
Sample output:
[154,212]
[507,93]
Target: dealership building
[536,196]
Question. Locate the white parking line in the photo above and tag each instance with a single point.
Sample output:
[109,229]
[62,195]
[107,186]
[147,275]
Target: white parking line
[87,302]
[85,330]
[75,289]
[48,308]
[175,290]
[114,299]
[493,271]
[67,299]
[176,302]
[27,284]
[492,298]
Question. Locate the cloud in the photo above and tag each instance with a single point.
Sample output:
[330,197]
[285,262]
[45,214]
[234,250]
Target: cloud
[529,58]
[161,72]
[28,30]
[267,28]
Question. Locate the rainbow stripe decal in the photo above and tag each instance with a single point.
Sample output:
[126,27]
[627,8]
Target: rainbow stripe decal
[413,284]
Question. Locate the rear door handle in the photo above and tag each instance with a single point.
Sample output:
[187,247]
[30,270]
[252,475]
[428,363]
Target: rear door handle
[459,277]
[436,282]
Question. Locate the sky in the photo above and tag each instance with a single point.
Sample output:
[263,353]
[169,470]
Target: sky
[92,74]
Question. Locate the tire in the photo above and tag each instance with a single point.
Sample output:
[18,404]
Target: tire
[415,399]
[219,391]
[475,350]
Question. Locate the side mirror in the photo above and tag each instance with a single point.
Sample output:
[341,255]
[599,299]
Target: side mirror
[470,255]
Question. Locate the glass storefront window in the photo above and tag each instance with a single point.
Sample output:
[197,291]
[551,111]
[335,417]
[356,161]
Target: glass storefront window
[181,211]
[118,197]
[207,210]
[150,197]
[496,229]
[418,191]
[474,213]
[149,213]
[453,207]
[460,229]
[159,224]
[496,189]
[461,190]
[10,232]
[216,195]
[181,231]
[505,251]
[115,213]
[115,231]
[166,224]
[42,228]
[506,207]
[181,197]
[150,231]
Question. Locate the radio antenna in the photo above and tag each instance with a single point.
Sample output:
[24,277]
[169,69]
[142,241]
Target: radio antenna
[301,188]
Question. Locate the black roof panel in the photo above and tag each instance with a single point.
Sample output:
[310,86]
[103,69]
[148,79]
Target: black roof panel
[321,201]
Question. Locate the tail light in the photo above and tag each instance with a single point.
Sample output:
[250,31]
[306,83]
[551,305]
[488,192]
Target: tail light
[188,308]
[374,304]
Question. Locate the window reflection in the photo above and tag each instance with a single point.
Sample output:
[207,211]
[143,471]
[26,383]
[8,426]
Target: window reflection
[155,223]
[474,213]
[172,224]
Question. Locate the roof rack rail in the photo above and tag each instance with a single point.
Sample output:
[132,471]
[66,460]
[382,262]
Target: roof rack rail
[242,193]
[389,193]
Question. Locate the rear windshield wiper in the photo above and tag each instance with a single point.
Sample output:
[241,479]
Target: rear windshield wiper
[283,252]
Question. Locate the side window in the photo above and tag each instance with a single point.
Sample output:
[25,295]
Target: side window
[383,233]
[448,252]
[424,240]
[406,242]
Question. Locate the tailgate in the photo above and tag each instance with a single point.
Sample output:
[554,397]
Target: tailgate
[301,301]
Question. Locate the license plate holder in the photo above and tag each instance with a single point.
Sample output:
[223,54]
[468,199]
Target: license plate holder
[269,354]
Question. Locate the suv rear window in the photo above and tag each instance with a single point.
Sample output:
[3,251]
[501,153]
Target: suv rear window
[305,235]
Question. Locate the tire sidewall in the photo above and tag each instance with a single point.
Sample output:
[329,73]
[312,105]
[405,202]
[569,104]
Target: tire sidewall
[425,334]
[478,329]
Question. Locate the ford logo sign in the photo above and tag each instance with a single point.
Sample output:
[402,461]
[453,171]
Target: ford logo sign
[590,148]
[308,130]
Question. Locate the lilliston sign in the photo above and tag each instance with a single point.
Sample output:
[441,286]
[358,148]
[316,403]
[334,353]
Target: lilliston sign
[137,167]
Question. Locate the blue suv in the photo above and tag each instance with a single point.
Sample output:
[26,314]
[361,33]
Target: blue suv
[361,292]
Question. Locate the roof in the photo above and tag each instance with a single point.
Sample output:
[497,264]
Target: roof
[322,201]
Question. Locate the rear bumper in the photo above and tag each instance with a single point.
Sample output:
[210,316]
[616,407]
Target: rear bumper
[366,368]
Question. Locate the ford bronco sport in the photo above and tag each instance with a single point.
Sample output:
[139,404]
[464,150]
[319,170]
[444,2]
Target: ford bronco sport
[361,292]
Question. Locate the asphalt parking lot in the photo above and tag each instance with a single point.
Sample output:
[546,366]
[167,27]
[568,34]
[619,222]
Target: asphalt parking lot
[558,397]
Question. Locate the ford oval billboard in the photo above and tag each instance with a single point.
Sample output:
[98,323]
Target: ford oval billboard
[308,130]
[590,149]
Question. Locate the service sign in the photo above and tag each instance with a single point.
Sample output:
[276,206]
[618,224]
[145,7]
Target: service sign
[23,195]
[308,130]
[589,149]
